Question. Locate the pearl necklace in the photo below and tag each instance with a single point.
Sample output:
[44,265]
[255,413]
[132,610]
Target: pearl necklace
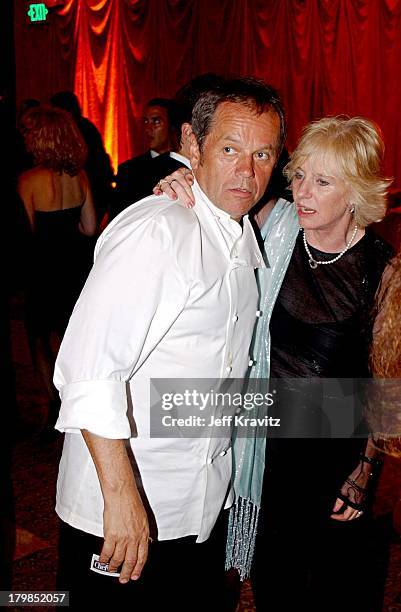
[314,264]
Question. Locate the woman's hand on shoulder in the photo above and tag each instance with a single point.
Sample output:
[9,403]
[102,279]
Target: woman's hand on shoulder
[177,185]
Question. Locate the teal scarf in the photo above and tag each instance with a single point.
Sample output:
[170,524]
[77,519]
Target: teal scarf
[279,235]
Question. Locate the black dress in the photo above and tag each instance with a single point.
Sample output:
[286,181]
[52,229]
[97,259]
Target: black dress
[320,327]
[60,262]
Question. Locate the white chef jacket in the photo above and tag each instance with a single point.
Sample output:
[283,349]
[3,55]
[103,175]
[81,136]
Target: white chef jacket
[172,294]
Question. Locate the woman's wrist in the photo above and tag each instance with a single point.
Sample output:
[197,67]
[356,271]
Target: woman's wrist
[370,465]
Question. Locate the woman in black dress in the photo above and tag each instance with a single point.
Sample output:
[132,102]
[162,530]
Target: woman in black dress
[317,546]
[58,202]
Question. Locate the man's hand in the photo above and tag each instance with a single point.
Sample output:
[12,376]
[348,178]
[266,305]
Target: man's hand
[126,535]
[125,524]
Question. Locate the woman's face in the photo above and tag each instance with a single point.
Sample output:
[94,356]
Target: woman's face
[320,195]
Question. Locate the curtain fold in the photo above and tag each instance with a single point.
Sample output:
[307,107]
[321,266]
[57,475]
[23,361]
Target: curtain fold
[325,57]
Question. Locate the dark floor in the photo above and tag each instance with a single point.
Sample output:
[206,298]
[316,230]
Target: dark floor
[34,475]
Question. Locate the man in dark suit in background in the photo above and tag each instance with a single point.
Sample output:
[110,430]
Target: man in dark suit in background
[185,100]
[135,175]
[157,122]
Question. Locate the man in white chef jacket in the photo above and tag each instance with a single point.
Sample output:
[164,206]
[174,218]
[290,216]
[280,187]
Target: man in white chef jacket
[172,294]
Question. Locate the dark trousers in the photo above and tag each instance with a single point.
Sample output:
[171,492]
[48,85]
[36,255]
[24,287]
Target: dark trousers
[304,559]
[331,568]
[179,575]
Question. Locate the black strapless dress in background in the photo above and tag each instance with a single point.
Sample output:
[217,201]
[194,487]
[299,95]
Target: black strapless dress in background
[61,260]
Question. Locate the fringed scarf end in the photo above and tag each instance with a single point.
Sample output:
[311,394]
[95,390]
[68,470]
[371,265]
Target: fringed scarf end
[242,529]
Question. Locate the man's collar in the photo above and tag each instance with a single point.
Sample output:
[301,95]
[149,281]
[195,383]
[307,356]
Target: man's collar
[217,212]
[181,158]
[245,249]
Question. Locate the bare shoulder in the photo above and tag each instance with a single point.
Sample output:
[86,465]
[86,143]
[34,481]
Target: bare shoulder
[26,177]
[26,181]
[36,175]
[38,186]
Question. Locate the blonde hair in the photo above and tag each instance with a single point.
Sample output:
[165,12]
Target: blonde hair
[54,139]
[356,147]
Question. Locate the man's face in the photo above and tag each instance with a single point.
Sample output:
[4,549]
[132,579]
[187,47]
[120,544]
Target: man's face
[238,157]
[157,129]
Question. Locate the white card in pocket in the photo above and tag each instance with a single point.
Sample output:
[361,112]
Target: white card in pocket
[101,568]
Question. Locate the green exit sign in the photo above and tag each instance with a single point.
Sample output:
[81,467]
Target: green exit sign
[37,12]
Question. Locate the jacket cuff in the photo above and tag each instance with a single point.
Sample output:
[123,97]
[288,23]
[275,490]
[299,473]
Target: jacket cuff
[100,406]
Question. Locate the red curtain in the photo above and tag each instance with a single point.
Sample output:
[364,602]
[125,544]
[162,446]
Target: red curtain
[325,56]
